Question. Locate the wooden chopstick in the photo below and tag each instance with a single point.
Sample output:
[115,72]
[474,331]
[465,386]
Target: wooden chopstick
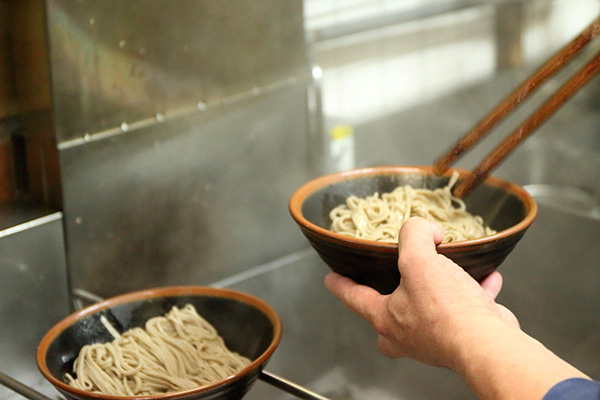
[536,119]
[553,65]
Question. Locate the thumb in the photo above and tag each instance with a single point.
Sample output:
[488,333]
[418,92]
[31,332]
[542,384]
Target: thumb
[417,238]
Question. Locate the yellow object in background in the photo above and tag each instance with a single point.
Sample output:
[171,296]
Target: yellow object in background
[341,147]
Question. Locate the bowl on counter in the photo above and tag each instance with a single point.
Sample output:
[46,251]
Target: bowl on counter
[248,326]
[504,206]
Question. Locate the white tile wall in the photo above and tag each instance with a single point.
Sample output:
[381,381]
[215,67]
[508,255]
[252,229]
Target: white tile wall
[376,73]
[550,26]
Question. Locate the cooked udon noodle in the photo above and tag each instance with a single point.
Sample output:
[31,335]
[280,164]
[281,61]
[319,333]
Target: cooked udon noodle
[177,351]
[379,218]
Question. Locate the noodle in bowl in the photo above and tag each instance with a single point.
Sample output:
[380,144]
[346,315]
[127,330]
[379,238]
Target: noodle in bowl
[503,206]
[178,351]
[380,218]
[239,330]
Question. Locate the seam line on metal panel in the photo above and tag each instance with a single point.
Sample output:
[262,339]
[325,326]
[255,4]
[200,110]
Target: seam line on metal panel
[261,269]
[128,127]
[30,224]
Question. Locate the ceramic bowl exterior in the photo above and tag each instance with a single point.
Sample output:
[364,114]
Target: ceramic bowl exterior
[248,325]
[505,207]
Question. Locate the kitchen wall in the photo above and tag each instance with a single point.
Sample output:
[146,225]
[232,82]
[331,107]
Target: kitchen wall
[382,57]
[29,158]
[171,140]
[182,132]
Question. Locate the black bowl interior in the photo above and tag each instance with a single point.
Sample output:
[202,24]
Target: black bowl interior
[499,208]
[244,328]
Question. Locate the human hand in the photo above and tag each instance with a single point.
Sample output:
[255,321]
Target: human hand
[439,315]
[435,301]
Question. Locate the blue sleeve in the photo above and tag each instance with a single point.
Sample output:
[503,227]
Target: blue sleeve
[574,389]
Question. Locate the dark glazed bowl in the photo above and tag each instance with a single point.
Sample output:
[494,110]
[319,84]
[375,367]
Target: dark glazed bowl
[248,325]
[505,207]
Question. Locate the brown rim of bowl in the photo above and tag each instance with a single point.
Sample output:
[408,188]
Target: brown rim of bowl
[156,293]
[295,206]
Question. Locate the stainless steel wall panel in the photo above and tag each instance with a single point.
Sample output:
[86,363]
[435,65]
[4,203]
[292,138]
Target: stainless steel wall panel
[119,61]
[33,288]
[190,200]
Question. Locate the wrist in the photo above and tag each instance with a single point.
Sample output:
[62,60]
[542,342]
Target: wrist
[498,360]
[474,343]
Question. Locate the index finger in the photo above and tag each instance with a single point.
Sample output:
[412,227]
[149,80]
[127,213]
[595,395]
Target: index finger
[363,300]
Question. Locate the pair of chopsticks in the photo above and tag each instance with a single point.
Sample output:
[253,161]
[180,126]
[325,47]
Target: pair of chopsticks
[538,117]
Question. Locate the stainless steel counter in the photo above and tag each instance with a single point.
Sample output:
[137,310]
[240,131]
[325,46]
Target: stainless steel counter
[551,283]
